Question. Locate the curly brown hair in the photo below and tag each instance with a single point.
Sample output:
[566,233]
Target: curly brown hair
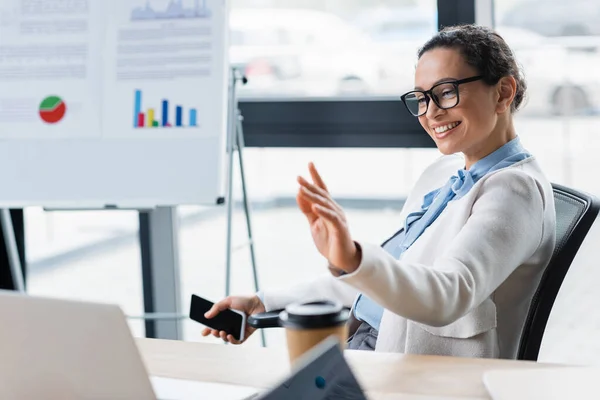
[483,49]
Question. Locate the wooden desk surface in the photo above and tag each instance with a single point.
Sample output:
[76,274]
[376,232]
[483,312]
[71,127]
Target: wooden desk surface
[383,376]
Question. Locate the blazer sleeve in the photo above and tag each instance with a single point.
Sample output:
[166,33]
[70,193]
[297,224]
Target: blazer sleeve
[327,286]
[324,287]
[504,230]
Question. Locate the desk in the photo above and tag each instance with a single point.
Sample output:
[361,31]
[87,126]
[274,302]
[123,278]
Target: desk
[384,376]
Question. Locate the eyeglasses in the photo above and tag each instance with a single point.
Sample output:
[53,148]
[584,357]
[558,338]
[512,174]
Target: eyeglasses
[443,94]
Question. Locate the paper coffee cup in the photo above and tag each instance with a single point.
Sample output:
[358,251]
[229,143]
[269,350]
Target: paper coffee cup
[308,324]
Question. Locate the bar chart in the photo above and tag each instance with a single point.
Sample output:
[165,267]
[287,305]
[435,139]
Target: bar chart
[174,9]
[160,117]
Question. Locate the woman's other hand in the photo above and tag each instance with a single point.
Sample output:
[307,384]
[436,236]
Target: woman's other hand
[249,305]
[327,222]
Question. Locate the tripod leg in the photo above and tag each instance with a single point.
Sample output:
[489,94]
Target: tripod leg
[240,145]
[229,228]
[231,133]
[239,141]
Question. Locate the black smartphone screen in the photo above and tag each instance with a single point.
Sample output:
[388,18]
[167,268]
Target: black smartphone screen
[228,321]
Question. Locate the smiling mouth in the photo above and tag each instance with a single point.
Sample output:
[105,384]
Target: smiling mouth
[445,130]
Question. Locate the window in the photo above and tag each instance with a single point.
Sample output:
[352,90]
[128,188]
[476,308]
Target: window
[553,18]
[328,48]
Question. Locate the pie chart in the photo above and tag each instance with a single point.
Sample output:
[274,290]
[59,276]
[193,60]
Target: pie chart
[52,109]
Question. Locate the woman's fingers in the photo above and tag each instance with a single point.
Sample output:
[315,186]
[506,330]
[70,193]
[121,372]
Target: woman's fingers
[228,338]
[316,198]
[232,340]
[316,177]
[220,335]
[305,206]
[318,191]
[318,186]
[218,307]
[206,331]
[312,187]
[329,215]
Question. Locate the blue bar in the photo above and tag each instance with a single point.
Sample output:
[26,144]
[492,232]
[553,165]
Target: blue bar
[137,108]
[178,115]
[193,117]
[165,112]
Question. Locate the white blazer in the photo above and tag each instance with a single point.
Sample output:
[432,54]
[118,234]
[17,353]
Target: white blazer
[464,287]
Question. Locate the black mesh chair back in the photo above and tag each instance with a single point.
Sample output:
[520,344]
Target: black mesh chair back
[575,214]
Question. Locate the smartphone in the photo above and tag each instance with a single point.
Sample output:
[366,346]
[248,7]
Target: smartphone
[231,321]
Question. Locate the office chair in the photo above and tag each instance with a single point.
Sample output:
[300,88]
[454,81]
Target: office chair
[575,214]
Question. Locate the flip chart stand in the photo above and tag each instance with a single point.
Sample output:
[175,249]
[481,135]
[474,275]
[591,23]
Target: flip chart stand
[235,143]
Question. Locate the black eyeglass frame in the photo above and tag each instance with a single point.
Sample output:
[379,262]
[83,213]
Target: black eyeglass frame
[428,94]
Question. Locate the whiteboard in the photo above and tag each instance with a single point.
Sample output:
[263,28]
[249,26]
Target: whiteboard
[112,102]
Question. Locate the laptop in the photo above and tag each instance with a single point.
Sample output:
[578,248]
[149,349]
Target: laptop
[65,349]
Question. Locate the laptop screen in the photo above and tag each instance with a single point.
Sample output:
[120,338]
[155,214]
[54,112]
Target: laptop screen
[322,375]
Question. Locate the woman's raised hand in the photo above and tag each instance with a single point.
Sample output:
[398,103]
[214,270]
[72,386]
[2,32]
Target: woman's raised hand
[327,222]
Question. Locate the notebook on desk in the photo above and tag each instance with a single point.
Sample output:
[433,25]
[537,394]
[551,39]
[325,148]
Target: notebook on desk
[64,349]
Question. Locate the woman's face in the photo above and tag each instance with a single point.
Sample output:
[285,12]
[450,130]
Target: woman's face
[467,127]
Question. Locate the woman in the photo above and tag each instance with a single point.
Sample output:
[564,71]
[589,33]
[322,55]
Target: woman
[477,230]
